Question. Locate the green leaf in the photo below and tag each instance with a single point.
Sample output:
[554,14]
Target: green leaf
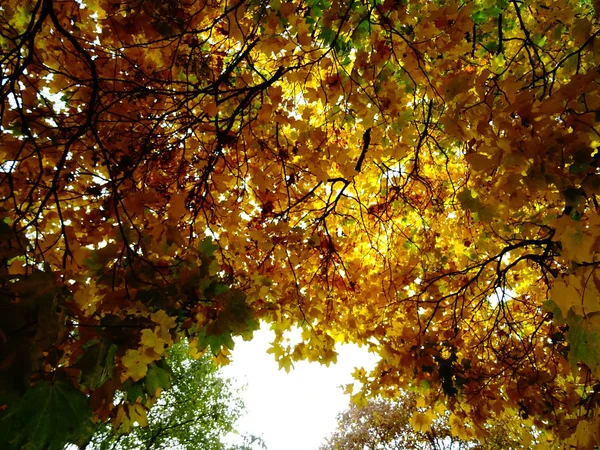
[157,378]
[492,47]
[6,231]
[234,319]
[236,316]
[342,46]
[135,391]
[220,288]
[361,32]
[583,336]
[471,202]
[48,416]
[207,247]
[551,306]
[216,342]
[21,18]
[327,35]
[539,40]
[212,288]
[584,341]
[97,364]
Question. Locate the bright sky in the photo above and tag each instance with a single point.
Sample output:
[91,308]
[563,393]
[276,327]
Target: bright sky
[296,410]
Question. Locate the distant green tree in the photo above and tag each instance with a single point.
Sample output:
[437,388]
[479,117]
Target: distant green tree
[195,413]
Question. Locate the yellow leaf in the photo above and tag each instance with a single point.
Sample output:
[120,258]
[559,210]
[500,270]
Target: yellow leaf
[136,365]
[421,402]
[457,427]
[21,18]
[194,352]
[86,297]
[163,319]
[359,399]
[564,295]
[577,242]
[285,363]
[421,421]
[94,5]
[151,340]
[137,413]
[222,359]
[578,291]
[119,418]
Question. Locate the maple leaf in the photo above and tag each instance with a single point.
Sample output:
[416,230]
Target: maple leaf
[97,363]
[157,379]
[136,365]
[45,417]
[152,341]
[421,421]
[584,340]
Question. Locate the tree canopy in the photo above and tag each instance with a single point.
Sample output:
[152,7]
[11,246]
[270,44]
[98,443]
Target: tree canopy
[405,424]
[418,177]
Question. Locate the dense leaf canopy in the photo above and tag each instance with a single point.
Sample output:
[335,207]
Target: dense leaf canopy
[418,177]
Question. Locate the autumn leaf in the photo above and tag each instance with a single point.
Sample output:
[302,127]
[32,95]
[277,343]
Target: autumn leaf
[85,297]
[577,291]
[152,341]
[129,415]
[421,421]
[177,208]
[135,364]
[164,321]
[457,427]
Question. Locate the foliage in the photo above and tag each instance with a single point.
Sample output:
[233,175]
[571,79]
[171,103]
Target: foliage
[195,412]
[419,177]
[44,416]
[386,425]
